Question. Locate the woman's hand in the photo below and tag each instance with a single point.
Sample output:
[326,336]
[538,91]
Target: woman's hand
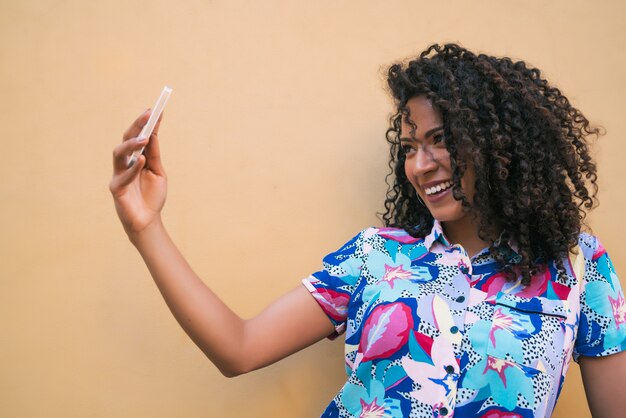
[139,191]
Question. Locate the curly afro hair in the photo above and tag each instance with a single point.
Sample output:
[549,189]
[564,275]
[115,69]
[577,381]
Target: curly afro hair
[527,144]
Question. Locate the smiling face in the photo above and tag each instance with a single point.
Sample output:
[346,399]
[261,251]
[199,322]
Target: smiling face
[427,165]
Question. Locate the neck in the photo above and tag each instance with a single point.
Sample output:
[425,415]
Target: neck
[465,233]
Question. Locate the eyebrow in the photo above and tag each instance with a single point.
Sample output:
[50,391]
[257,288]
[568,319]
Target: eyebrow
[426,135]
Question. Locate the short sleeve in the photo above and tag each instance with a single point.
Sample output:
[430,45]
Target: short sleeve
[333,286]
[602,326]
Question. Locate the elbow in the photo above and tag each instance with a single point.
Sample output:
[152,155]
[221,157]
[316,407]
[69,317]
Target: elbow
[229,373]
[229,364]
[232,369]
[230,358]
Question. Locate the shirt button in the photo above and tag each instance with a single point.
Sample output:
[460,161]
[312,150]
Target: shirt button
[454,329]
[460,299]
[449,369]
[443,411]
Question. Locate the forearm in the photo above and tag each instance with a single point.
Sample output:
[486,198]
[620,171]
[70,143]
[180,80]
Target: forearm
[214,327]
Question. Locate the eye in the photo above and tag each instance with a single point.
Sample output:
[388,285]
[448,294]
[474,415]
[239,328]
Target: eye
[406,149]
[438,139]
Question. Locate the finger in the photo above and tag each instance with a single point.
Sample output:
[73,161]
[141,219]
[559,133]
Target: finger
[135,128]
[153,155]
[122,152]
[122,180]
[155,131]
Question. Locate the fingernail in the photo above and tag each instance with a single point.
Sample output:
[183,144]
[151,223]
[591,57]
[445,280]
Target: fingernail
[140,139]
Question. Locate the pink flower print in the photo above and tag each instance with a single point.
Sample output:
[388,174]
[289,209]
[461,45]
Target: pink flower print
[371,410]
[398,235]
[499,366]
[493,285]
[517,324]
[334,303]
[395,273]
[500,414]
[500,321]
[538,285]
[386,330]
[619,309]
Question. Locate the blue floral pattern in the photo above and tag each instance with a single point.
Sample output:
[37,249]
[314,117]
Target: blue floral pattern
[430,332]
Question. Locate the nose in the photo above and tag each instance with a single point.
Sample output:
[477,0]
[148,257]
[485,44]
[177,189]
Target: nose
[421,162]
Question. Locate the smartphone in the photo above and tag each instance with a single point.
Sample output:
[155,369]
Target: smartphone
[152,121]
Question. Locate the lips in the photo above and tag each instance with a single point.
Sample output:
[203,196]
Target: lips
[436,198]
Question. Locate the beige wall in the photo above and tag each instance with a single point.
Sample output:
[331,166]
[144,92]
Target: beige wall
[273,142]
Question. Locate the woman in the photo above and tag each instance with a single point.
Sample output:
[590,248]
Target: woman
[473,298]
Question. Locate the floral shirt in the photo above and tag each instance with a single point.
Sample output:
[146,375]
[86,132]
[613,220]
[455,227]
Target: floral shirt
[432,333]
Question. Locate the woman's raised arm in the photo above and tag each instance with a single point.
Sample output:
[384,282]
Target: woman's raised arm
[234,345]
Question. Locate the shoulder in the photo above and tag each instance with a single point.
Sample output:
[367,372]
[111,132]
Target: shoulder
[397,234]
[373,233]
[600,277]
[590,246]
[598,264]
[371,238]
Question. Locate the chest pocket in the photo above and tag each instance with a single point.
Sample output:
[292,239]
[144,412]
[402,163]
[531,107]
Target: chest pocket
[529,331]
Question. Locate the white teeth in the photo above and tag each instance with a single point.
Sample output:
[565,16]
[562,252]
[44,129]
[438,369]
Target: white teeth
[435,189]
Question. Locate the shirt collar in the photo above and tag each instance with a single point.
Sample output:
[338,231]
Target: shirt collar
[436,235]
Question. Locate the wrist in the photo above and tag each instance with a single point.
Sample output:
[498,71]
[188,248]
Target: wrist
[149,232]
